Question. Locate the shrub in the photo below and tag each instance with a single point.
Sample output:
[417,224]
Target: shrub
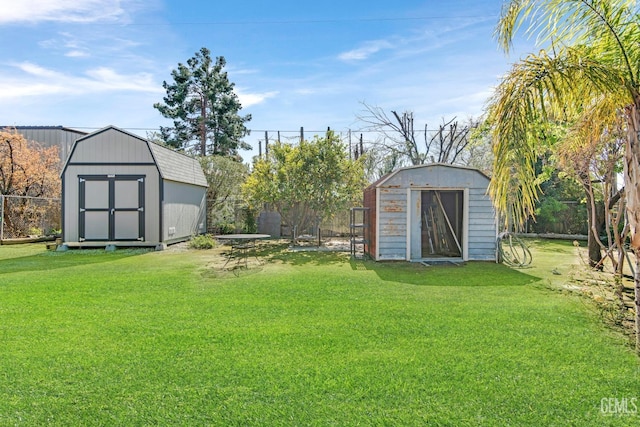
[202,241]
[35,231]
[224,228]
[250,225]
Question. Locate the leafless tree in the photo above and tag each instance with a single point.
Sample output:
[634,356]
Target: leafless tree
[399,138]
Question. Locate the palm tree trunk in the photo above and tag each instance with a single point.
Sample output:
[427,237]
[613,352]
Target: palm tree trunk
[593,243]
[636,279]
[632,193]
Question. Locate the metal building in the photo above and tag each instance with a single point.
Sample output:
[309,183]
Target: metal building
[49,136]
[120,189]
[435,212]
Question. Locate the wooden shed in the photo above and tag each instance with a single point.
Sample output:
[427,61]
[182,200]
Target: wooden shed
[435,212]
[120,189]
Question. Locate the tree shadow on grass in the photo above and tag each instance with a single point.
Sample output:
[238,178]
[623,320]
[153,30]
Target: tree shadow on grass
[469,274]
[281,252]
[55,260]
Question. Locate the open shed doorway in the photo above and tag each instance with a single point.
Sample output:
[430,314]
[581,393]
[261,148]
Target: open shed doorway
[441,214]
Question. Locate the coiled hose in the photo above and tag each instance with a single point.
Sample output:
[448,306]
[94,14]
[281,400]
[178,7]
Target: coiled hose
[513,251]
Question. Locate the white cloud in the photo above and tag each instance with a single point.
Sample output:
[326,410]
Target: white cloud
[36,70]
[306,91]
[366,50]
[72,46]
[33,11]
[241,71]
[104,78]
[76,54]
[18,89]
[415,42]
[249,99]
[35,80]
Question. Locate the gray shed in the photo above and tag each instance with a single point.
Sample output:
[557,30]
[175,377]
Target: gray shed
[120,189]
[430,212]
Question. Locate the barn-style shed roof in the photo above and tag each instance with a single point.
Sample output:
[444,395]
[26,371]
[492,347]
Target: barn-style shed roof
[173,166]
[429,168]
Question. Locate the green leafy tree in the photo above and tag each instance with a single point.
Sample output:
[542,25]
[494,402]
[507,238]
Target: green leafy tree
[478,154]
[592,53]
[306,183]
[225,177]
[561,208]
[204,108]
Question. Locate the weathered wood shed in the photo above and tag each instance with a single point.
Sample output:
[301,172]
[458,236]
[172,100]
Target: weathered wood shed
[431,212]
[120,189]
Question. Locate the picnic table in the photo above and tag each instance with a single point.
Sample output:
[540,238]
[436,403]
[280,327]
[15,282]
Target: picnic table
[240,245]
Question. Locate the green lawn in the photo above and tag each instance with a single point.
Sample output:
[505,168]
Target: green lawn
[168,338]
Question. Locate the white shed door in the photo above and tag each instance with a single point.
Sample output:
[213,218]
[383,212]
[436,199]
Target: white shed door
[111,208]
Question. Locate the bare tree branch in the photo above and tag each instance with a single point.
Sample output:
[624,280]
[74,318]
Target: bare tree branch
[399,139]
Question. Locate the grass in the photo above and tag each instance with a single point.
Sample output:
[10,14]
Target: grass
[168,338]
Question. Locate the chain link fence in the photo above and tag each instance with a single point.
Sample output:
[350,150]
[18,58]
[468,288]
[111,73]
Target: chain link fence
[338,226]
[29,217]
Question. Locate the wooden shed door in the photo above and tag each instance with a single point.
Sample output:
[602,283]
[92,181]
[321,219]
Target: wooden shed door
[442,214]
[111,208]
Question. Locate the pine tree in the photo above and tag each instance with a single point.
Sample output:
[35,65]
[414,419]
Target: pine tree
[204,108]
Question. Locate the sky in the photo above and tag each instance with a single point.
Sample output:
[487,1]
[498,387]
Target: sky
[87,64]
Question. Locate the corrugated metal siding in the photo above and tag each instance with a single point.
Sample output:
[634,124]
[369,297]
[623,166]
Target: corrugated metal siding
[435,176]
[185,209]
[49,136]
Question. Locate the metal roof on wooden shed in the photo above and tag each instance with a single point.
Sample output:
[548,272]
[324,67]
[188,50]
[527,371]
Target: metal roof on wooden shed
[385,178]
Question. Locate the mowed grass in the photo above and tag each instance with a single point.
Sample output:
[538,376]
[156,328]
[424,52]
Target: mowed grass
[169,338]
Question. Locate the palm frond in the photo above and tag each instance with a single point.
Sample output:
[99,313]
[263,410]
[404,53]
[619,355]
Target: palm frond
[610,26]
[537,89]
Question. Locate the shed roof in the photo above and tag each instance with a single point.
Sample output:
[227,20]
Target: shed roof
[59,127]
[173,166]
[380,182]
[178,167]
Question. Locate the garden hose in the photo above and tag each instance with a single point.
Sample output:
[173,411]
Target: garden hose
[513,250]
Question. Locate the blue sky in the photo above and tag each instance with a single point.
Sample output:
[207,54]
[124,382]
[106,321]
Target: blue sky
[91,63]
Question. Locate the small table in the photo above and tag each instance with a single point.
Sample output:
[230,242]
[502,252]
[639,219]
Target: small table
[241,243]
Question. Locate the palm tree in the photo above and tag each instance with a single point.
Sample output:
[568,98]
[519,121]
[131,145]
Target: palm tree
[592,51]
